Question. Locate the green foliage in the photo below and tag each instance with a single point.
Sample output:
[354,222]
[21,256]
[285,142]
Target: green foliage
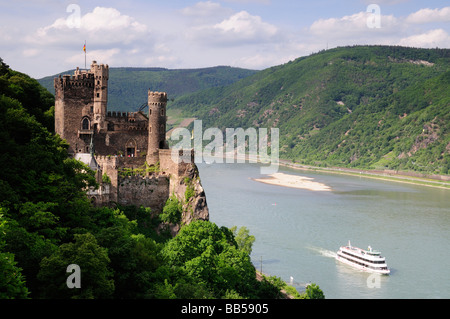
[243,238]
[12,282]
[209,256]
[142,171]
[172,211]
[313,292]
[34,98]
[94,264]
[190,191]
[106,179]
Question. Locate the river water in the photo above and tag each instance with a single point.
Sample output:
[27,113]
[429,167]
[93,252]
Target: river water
[298,231]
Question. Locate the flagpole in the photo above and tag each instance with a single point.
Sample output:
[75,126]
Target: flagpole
[85,54]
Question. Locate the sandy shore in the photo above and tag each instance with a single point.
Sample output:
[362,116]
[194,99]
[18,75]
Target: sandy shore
[293,181]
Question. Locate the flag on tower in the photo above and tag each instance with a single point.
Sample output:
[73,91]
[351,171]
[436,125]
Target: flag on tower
[84,49]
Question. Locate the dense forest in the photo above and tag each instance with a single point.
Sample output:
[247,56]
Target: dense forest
[47,223]
[369,107]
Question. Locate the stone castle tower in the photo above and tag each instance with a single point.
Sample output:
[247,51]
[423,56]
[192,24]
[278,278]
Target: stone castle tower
[123,145]
[157,102]
[101,75]
[81,106]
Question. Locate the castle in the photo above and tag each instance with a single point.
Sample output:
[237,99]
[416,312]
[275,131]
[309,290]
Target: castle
[128,151]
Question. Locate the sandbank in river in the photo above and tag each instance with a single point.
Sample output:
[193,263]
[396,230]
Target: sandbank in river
[293,181]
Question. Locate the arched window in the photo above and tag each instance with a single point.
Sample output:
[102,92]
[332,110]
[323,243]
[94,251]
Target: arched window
[85,124]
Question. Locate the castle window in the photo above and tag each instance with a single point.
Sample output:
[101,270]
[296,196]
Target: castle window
[162,130]
[85,124]
[98,94]
[162,112]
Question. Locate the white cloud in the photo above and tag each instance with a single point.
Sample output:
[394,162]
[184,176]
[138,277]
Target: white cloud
[241,28]
[411,30]
[246,25]
[431,39]
[103,25]
[104,56]
[99,19]
[429,16]
[353,25]
[204,9]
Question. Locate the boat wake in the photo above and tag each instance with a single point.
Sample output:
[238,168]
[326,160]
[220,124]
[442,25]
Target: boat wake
[323,252]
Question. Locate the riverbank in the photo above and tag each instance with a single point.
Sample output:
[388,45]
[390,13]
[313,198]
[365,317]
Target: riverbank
[386,175]
[435,181]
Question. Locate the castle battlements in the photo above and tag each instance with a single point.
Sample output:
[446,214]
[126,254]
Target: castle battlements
[126,115]
[157,98]
[118,114]
[79,80]
[160,95]
[110,159]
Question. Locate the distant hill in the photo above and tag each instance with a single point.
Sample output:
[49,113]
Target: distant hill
[371,107]
[128,87]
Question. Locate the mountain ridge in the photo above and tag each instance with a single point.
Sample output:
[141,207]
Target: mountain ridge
[128,86]
[370,107]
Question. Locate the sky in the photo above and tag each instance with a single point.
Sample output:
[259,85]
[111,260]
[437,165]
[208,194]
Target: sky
[45,37]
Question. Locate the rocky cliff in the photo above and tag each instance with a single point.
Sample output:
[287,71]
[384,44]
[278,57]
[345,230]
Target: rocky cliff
[188,189]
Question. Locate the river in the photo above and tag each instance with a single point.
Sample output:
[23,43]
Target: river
[298,231]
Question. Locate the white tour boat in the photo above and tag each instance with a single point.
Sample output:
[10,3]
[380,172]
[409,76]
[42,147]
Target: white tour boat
[367,260]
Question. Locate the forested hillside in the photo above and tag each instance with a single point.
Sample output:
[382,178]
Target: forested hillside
[47,223]
[370,107]
[128,87]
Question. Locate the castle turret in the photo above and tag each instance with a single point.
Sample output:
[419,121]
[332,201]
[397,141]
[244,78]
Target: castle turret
[157,102]
[101,75]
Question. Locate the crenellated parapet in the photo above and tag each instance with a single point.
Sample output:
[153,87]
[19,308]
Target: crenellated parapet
[79,80]
[157,98]
[110,159]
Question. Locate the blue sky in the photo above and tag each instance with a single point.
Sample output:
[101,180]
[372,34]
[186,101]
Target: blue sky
[44,37]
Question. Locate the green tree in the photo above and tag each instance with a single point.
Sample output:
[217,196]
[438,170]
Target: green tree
[93,260]
[134,260]
[12,282]
[172,211]
[313,292]
[210,256]
[243,238]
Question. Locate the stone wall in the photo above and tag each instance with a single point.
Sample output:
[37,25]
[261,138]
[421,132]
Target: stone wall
[152,191]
